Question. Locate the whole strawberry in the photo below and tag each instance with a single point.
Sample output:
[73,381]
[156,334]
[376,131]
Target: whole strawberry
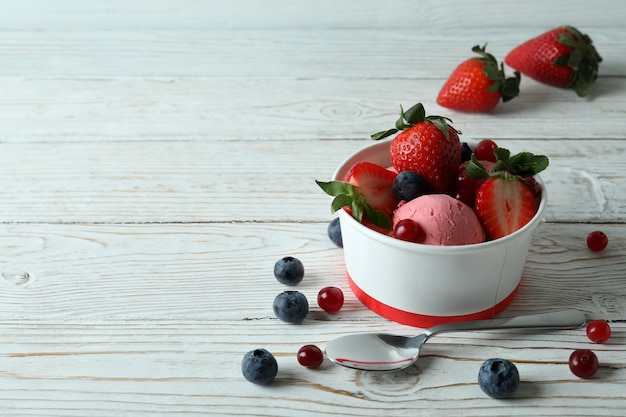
[478,84]
[426,145]
[505,202]
[562,57]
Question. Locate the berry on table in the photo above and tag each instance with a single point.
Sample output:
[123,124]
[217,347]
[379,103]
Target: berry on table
[259,366]
[478,84]
[409,185]
[310,356]
[289,270]
[598,331]
[498,378]
[583,363]
[334,232]
[409,230]
[561,57]
[597,241]
[330,299]
[483,151]
[291,306]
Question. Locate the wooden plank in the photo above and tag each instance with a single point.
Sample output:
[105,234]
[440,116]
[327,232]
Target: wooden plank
[280,14]
[224,271]
[193,369]
[165,56]
[251,181]
[284,109]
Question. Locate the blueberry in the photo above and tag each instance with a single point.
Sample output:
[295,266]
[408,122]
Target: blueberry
[289,270]
[466,152]
[291,306]
[259,366]
[498,378]
[334,232]
[409,185]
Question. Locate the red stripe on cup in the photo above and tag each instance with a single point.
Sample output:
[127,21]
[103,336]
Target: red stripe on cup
[421,320]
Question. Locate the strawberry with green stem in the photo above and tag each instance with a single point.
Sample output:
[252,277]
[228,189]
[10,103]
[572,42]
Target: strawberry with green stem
[478,84]
[505,202]
[367,193]
[562,57]
[426,145]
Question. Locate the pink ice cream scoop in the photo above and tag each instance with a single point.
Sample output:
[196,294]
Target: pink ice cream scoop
[445,220]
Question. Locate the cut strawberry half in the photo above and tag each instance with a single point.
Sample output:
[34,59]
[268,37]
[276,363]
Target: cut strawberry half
[375,182]
[367,191]
[504,204]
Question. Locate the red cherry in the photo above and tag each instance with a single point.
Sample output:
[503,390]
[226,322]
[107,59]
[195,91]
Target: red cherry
[409,230]
[484,150]
[598,331]
[597,241]
[310,356]
[330,299]
[583,363]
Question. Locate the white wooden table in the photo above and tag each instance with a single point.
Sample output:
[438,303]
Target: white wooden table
[157,157]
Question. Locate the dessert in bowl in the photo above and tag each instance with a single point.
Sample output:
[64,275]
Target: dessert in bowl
[458,269]
[424,285]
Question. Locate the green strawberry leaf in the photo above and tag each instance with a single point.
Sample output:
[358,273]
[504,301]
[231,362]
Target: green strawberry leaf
[384,134]
[340,202]
[377,217]
[416,114]
[523,164]
[584,60]
[335,188]
[347,194]
[475,169]
[441,124]
[562,60]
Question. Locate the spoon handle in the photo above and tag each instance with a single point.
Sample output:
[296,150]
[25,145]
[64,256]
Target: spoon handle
[564,319]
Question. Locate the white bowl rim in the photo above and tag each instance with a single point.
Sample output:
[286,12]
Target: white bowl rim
[435,249]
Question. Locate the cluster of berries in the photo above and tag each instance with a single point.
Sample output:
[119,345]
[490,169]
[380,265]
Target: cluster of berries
[260,366]
[427,156]
[499,378]
[562,57]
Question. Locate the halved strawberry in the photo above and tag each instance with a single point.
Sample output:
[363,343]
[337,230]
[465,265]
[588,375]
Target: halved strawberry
[367,192]
[504,204]
[375,182]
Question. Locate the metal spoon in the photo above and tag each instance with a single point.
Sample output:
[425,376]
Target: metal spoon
[388,352]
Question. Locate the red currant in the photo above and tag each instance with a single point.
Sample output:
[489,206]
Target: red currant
[583,363]
[330,299]
[310,356]
[484,150]
[407,229]
[597,241]
[598,331]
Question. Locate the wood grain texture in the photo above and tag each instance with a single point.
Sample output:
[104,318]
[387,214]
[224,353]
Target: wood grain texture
[244,181]
[197,271]
[163,367]
[157,157]
[283,109]
[326,14]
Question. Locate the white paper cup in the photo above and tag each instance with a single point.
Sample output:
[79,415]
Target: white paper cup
[426,285]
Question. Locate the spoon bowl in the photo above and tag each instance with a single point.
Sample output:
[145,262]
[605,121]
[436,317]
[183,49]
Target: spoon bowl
[389,352]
